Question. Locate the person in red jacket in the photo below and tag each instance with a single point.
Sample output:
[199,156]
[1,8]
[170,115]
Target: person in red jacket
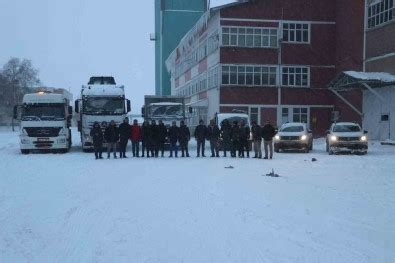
[135,137]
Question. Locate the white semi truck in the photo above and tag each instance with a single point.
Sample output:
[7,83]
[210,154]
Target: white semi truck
[45,120]
[102,100]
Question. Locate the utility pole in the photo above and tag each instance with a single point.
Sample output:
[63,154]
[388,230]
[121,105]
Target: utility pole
[279,59]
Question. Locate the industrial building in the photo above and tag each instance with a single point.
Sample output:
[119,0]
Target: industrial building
[272,59]
[173,19]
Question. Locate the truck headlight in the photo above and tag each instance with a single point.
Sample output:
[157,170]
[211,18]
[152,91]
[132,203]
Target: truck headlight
[364,138]
[62,140]
[303,138]
[277,137]
[334,138]
[25,141]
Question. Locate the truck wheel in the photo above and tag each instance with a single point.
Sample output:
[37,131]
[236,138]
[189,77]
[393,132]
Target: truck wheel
[276,149]
[25,151]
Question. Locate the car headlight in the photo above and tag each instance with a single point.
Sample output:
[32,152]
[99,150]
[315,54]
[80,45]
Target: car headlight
[62,131]
[333,138]
[24,131]
[364,138]
[277,137]
[25,141]
[303,138]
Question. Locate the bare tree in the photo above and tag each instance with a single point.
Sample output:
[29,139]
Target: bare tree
[17,78]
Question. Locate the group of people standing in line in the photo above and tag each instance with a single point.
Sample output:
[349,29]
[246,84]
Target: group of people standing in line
[234,137]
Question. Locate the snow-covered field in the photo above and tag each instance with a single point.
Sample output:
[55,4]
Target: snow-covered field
[72,208]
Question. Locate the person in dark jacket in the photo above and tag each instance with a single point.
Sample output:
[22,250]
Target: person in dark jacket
[200,136]
[184,137]
[124,135]
[97,137]
[174,135]
[244,136]
[135,137]
[112,137]
[154,139]
[162,135]
[235,138]
[213,134]
[268,132]
[145,138]
[257,139]
[226,134]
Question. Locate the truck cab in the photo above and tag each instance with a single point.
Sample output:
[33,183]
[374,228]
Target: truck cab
[102,100]
[45,120]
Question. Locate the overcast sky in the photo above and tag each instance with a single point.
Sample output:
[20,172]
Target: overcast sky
[71,40]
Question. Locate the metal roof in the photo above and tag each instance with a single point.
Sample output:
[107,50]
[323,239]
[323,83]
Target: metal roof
[348,80]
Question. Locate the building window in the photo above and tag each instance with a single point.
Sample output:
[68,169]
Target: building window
[380,13]
[284,115]
[300,115]
[252,37]
[249,75]
[296,76]
[254,115]
[296,32]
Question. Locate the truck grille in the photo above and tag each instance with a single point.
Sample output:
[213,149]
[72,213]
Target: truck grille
[43,131]
[290,138]
[348,139]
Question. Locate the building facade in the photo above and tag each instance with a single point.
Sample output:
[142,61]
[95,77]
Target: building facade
[173,19]
[272,59]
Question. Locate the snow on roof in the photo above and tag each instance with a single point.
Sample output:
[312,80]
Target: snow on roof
[103,90]
[379,76]
[44,98]
[347,123]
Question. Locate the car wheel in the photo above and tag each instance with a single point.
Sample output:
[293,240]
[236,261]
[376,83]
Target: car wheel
[25,151]
[276,149]
[327,147]
[330,152]
[311,146]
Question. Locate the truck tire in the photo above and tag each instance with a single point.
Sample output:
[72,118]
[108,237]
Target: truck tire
[25,151]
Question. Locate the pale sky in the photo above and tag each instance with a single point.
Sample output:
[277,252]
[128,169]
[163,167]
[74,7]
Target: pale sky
[71,40]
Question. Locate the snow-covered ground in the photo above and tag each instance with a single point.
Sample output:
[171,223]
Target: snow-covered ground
[72,208]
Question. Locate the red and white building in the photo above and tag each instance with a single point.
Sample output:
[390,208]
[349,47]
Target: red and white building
[272,59]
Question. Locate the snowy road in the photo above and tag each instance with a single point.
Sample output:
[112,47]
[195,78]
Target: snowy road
[71,208]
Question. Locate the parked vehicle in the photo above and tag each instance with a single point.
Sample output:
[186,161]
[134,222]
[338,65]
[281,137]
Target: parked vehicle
[45,121]
[346,136]
[294,136]
[165,108]
[101,101]
[231,117]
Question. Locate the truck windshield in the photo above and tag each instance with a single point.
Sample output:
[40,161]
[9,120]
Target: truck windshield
[44,112]
[346,128]
[104,106]
[166,111]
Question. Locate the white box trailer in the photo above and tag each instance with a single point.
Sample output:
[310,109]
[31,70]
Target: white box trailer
[45,119]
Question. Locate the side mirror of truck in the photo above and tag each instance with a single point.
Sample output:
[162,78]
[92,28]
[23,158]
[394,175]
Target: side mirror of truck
[142,111]
[190,110]
[365,132]
[70,109]
[309,131]
[76,106]
[128,107]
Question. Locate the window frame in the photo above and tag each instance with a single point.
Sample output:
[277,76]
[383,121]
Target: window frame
[287,26]
[249,37]
[294,75]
